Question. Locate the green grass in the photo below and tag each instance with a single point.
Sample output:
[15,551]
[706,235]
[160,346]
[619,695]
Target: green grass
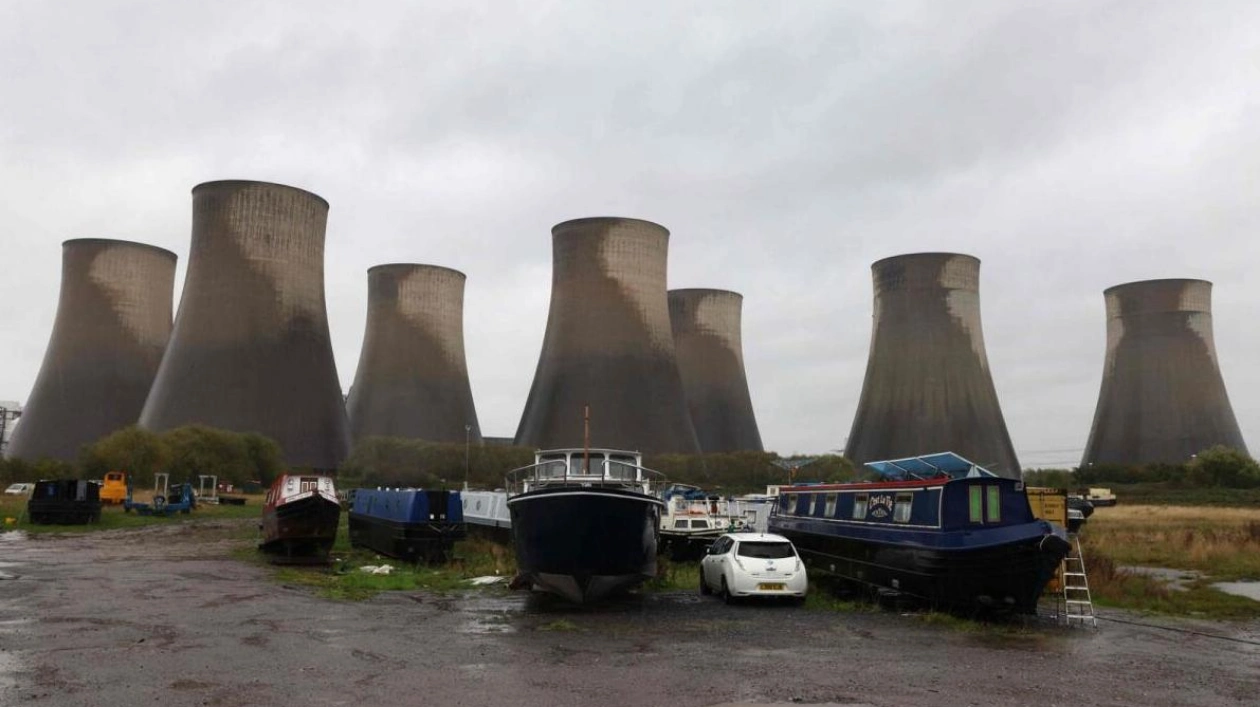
[113,517]
[1221,543]
[1164,494]
[344,581]
[674,576]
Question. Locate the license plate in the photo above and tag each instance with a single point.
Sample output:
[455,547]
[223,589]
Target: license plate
[770,586]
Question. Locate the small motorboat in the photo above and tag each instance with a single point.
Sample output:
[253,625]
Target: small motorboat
[299,520]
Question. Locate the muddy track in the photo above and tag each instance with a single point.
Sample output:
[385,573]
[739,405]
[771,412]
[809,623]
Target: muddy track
[163,614]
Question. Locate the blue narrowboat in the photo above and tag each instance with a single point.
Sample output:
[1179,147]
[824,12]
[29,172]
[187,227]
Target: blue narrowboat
[409,524]
[936,527]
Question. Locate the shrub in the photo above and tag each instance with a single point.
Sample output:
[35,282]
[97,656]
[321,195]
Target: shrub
[1223,466]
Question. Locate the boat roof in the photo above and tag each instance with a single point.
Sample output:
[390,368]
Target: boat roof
[928,466]
[592,450]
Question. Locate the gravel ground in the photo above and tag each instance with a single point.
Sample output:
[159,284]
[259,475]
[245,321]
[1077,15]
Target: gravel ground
[163,615]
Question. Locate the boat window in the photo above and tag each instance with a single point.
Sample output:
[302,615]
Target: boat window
[700,524]
[765,550]
[819,502]
[995,504]
[830,510]
[859,506]
[901,509]
[623,460]
[552,469]
[975,498]
[791,504]
[680,523]
[617,469]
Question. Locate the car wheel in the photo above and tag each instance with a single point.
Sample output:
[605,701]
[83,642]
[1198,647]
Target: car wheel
[705,590]
[726,592]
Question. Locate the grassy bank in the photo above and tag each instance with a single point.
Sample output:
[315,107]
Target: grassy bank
[1221,543]
[344,580]
[113,517]
[1167,494]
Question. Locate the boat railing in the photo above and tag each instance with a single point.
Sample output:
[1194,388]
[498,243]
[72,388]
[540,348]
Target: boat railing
[556,472]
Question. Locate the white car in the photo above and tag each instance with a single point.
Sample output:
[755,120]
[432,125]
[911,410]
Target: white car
[19,489]
[753,564]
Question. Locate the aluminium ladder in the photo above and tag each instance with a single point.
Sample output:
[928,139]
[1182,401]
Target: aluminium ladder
[1077,603]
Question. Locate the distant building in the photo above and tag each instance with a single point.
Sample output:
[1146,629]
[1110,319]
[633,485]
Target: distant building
[10,411]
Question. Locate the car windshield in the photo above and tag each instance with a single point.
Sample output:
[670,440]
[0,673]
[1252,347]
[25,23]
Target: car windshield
[765,550]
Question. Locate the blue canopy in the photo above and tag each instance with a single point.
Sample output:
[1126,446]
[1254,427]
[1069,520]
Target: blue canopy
[928,466]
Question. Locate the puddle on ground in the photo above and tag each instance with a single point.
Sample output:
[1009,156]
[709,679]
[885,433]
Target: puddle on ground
[1248,588]
[12,536]
[1177,580]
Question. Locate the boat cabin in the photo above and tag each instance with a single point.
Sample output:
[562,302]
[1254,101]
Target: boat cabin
[932,492]
[584,467]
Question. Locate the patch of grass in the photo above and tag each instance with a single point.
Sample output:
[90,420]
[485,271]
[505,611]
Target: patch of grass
[1165,494]
[822,597]
[1111,586]
[674,576]
[345,581]
[1221,543]
[113,517]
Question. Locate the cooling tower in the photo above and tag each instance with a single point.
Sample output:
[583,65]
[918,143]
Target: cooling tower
[706,325]
[927,386]
[1162,397]
[413,379]
[250,350]
[608,344]
[113,321]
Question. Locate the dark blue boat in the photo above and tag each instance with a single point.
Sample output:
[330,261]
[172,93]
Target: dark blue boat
[409,524]
[937,527]
[585,522]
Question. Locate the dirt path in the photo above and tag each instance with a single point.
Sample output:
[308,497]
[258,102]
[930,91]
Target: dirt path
[162,615]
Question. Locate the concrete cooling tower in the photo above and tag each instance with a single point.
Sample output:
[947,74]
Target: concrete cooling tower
[1162,398]
[113,321]
[707,338]
[250,350]
[927,386]
[608,344]
[413,378]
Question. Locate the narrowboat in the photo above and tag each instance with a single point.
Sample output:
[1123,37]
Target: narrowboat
[299,519]
[486,514]
[409,524]
[585,522]
[935,527]
[64,502]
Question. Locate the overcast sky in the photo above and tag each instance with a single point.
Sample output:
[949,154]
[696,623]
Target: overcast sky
[1070,146]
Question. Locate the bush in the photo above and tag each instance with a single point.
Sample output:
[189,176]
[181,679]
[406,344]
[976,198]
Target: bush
[394,461]
[1223,467]
[137,451]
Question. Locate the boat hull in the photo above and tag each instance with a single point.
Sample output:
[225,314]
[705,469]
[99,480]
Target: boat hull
[301,530]
[430,541]
[585,543]
[960,570]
